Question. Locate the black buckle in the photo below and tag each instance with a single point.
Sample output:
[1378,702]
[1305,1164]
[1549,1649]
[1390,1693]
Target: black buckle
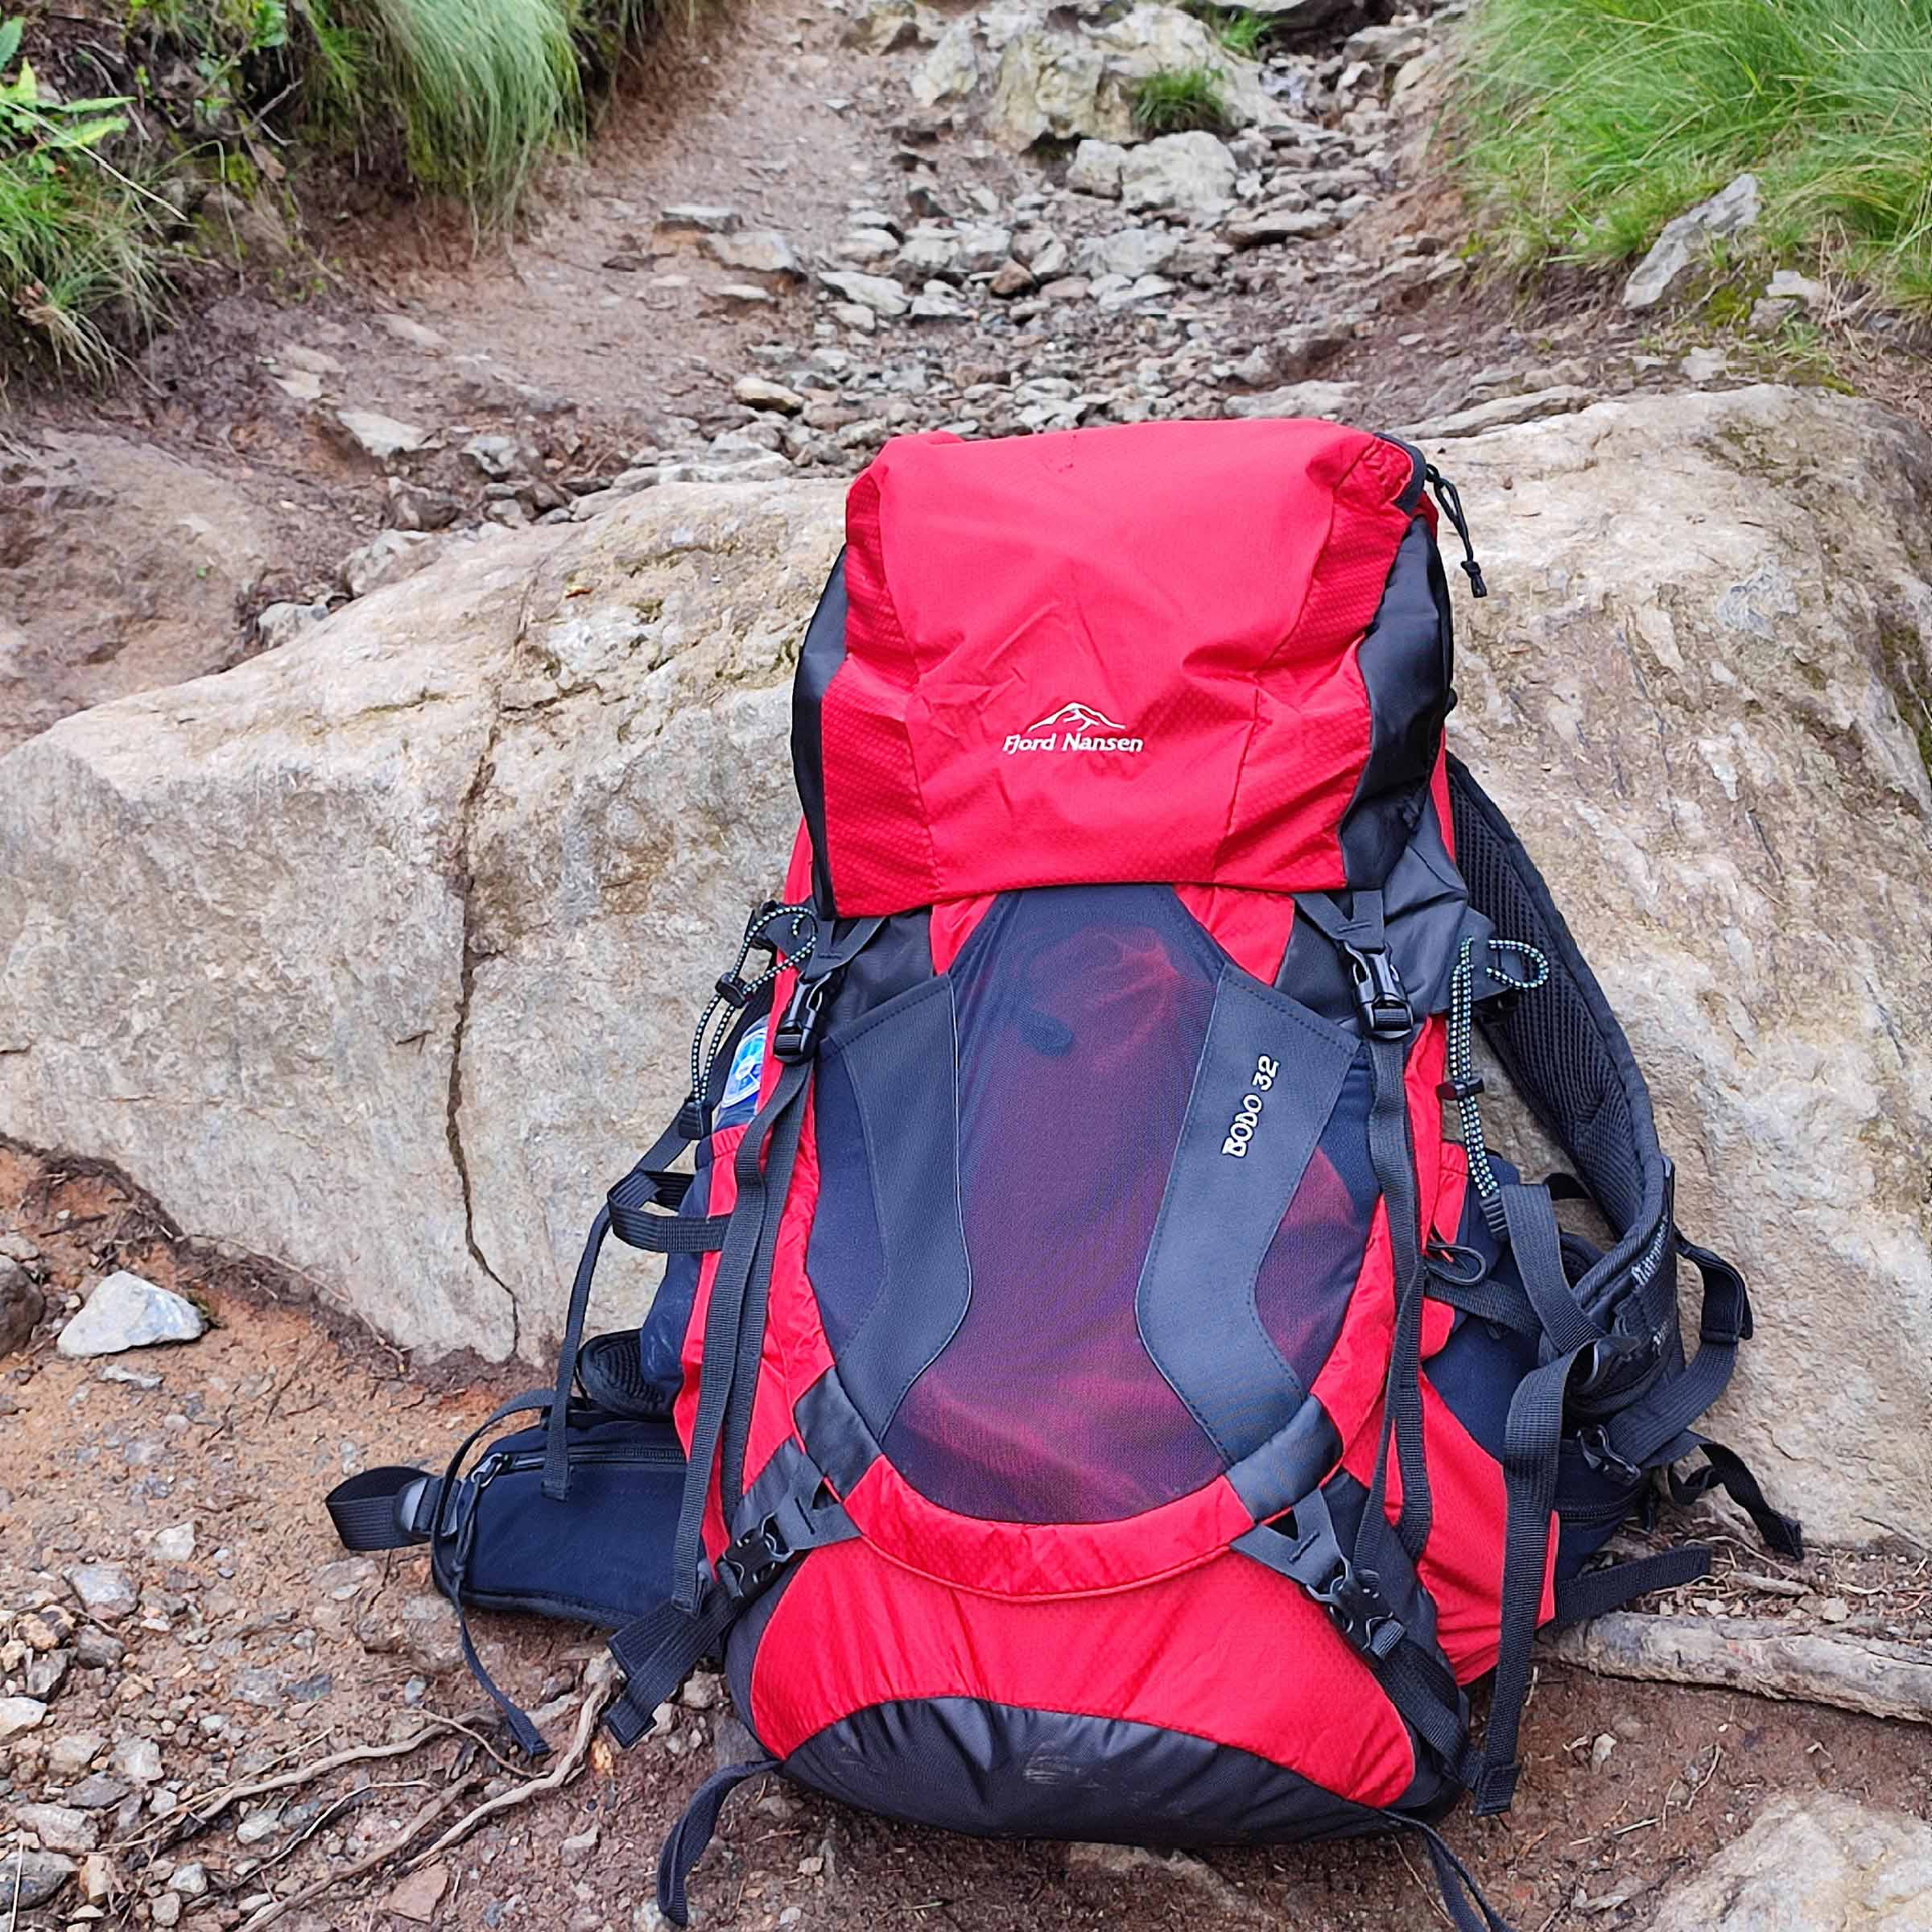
[1379,996]
[1353,1598]
[1465,1087]
[797,1036]
[1597,1453]
[749,1566]
[731,990]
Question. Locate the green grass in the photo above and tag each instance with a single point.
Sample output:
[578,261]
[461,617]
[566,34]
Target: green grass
[1183,98]
[1587,124]
[1238,29]
[463,97]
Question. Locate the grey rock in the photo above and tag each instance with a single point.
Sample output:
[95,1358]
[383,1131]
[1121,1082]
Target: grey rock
[387,559]
[416,335]
[95,1792]
[1191,173]
[502,457]
[925,252]
[175,1544]
[59,1827]
[1500,413]
[1323,399]
[21,1304]
[699,218]
[1128,252]
[70,1756]
[105,1589]
[867,247]
[1096,169]
[279,624]
[1275,225]
[95,1650]
[46,1672]
[743,295]
[760,251]
[416,506]
[1686,241]
[757,392]
[190,1880]
[1812,1863]
[138,1759]
[382,437]
[1787,285]
[258,1826]
[983,246]
[19,1715]
[126,1311]
[33,1878]
[878,294]
[938,302]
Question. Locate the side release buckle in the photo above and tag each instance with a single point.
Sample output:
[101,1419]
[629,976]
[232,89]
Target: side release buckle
[1379,996]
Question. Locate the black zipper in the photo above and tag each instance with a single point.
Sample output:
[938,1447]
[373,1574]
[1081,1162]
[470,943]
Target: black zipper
[642,1455]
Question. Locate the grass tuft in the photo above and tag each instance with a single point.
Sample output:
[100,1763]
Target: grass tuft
[1179,100]
[1589,124]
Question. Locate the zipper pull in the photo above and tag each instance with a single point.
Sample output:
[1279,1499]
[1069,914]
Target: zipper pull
[1450,500]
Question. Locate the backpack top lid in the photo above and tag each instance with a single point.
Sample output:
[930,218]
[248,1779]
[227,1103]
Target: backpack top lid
[1196,653]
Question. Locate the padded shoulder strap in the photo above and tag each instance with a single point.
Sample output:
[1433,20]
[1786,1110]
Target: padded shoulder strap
[1567,1057]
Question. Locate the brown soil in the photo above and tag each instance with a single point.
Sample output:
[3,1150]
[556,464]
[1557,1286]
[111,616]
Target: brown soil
[267,1647]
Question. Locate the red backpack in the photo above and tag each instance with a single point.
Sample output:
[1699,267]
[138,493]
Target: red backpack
[1124,1397]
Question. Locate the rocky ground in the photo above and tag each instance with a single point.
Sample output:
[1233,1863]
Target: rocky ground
[211,1718]
[845,228]
[859,219]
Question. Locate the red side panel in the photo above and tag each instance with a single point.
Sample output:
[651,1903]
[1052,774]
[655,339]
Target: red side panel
[1229,1652]
[1122,654]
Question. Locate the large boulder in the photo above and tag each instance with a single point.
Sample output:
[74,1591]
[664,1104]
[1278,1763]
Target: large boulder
[378,954]
[1035,75]
[1701,690]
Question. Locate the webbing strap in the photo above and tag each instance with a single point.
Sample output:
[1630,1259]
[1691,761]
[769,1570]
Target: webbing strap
[692,1834]
[1592,1593]
[1641,1431]
[1531,1440]
[657,1651]
[369,1511]
[1393,1159]
[662,1151]
[1536,1242]
[1725,1469]
[1488,1300]
[776,1123]
[1462,1896]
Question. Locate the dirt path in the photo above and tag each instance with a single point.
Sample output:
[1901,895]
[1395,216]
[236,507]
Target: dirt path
[142,535]
[247,1644]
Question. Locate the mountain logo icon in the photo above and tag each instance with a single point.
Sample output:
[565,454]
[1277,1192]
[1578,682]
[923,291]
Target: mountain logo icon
[1075,728]
[1077,718]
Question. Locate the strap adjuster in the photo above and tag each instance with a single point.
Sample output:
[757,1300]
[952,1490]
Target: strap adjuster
[1353,1598]
[796,1037]
[1604,1459]
[1379,996]
[1465,1087]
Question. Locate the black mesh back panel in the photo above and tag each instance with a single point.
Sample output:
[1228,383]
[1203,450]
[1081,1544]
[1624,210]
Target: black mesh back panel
[1560,1045]
[1081,1013]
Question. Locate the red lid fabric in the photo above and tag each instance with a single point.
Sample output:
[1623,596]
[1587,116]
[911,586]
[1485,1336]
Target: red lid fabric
[1117,654]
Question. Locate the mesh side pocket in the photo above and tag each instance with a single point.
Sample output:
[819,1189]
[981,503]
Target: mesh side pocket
[1081,1011]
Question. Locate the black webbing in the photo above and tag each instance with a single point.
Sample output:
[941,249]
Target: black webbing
[1488,1300]
[757,1181]
[1531,1440]
[363,1509]
[692,1833]
[662,1151]
[1591,1592]
[1537,1243]
[1393,1156]
[1462,1896]
[1725,1469]
[657,1651]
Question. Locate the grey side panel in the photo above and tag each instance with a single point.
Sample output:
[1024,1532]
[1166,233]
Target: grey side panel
[901,1062]
[1290,1463]
[965,1764]
[1196,1300]
[1404,662]
[835,1433]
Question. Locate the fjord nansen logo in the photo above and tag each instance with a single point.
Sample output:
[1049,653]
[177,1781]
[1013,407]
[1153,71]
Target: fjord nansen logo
[1073,728]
